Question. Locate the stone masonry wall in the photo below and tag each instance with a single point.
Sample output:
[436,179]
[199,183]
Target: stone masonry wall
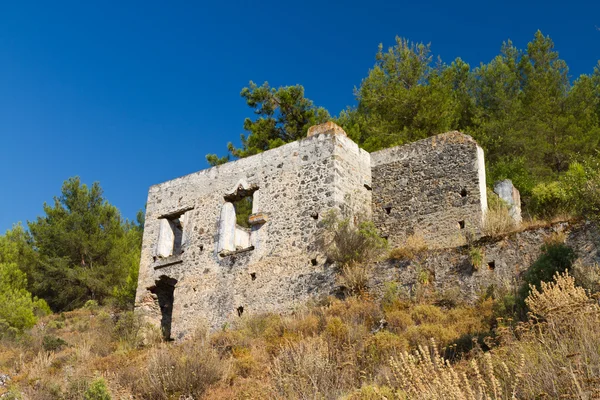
[200,268]
[294,186]
[505,260]
[434,188]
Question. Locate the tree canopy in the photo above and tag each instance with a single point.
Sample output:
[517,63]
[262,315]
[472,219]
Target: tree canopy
[80,250]
[283,115]
[521,107]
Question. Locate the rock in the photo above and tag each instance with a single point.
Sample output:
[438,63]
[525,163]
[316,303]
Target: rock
[509,194]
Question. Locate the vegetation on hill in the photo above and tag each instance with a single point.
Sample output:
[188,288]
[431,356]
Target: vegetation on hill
[80,250]
[68,279]
[405,346]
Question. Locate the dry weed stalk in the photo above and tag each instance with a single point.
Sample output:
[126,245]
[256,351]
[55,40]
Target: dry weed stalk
[559,298]
[497,218]
[426,375]
[561,342]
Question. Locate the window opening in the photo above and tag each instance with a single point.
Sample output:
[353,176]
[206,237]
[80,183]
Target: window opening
[170,237]
[388,210]
[461,224]
[253,276]
[236,226]
[240,311]
[492,265]
[243,210]
[463,193]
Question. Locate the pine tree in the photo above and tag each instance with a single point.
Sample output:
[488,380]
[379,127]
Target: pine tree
[284,115]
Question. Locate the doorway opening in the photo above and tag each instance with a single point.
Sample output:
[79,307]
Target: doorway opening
[164,290]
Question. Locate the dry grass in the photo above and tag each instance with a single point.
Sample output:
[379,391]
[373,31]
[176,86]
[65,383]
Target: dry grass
[355,278]
[411,248]
[423,374]
[312,368]
[555,238]
[331,350]
[497,219]
[175,371]
[561,343]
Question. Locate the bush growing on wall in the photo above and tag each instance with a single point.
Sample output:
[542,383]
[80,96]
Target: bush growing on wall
[352,243]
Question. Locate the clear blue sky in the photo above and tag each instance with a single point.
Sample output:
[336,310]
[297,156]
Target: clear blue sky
[135,93]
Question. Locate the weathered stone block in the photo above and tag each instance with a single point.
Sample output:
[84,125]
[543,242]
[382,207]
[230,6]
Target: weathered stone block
[509,194]
[327,127]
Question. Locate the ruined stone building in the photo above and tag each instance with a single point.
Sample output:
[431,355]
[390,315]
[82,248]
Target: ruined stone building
[243,237]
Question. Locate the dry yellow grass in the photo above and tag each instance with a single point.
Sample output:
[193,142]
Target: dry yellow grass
[358,348]
[411,248]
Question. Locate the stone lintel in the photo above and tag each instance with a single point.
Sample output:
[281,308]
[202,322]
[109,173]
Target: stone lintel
[327,127]
[176,213]
[165,262]
[227,253]
[258,218]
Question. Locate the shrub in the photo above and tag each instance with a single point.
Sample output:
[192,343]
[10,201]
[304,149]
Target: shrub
[398,320]
[18,308]
[393,297]
[356,311]
[127,330]
[497,218]
[351,243]
[425,375]
[412,247]
[53,343]
[420,335]
[576,192]
[97,391]
[555,257]
[426,313]
[183,370]
[382,345]
[560,343]
[476,256]
[555,299]
[91,305]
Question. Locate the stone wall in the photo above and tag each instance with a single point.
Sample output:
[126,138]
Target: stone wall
[199,267]
[434,188]
[293,187]
[505,260]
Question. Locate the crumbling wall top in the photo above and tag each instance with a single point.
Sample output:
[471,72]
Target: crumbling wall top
[327,127]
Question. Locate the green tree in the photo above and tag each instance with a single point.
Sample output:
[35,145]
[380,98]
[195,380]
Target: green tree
[529,118]
[405,98]
[83,248]
[283,115]
[18,308]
